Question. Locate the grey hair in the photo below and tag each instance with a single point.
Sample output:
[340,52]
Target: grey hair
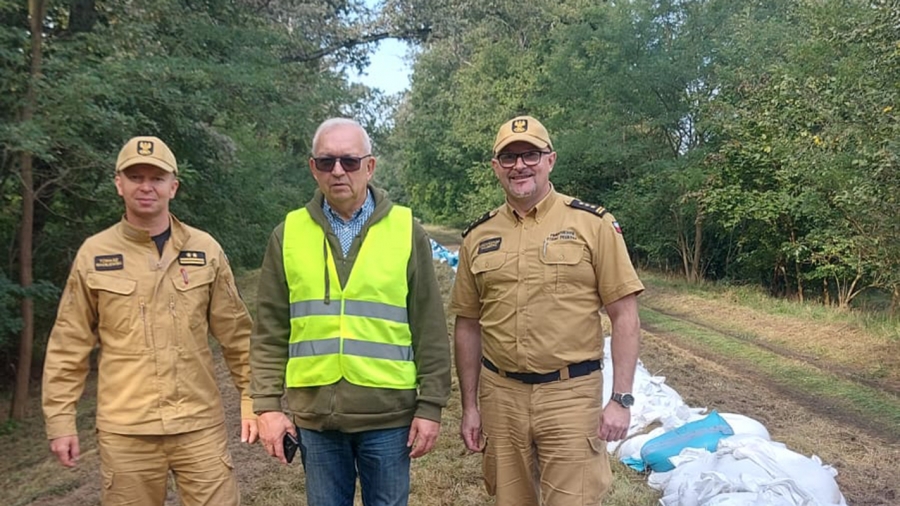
[331,123]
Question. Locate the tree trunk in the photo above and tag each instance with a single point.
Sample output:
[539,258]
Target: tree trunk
[26,274]
[698,248]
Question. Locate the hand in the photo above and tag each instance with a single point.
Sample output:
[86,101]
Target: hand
[249,430]
[66,450]
[423,434]
[272,426]
[614,422]
[470,430]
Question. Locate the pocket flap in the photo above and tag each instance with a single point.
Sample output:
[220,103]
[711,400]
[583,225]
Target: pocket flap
[486,263]
[107,283]
[597,444]
[566,253]
[108,478]
[226,459]
[190,279]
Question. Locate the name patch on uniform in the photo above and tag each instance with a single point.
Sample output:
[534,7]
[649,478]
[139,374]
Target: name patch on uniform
[109,262]
[192,258]
[565,235]
[492,244]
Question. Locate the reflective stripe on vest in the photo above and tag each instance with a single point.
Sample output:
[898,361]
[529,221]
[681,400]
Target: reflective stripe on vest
[359,332]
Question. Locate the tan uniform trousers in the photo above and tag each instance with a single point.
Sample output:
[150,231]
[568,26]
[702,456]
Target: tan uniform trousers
[541,444]
[135,469]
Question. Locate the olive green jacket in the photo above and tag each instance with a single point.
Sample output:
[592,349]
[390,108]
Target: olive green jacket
[342,405]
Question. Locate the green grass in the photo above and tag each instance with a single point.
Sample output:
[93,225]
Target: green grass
[877,322]
[879,407]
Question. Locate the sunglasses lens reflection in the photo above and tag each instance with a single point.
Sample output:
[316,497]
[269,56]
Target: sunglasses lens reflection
[348,163]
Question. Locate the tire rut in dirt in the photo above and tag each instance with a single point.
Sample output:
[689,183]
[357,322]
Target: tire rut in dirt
[889,387]
[822,405]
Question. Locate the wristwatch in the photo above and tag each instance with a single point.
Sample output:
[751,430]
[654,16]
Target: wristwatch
[625,399]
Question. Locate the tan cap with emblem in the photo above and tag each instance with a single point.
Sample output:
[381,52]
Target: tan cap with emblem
[149,151]
[522,128]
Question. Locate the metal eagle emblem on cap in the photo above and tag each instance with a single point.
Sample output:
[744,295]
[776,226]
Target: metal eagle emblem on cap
[520,126]
[145,148]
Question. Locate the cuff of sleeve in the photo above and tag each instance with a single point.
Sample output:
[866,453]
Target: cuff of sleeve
[632,287]
[263,404]
[61,426]
[247,409]
[428,411]
[464,312]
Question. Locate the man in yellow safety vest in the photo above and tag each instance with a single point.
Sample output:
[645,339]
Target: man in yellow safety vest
[350,320]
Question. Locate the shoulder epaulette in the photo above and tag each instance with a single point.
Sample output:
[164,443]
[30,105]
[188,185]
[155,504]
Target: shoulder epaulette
[591,208]
[483,218]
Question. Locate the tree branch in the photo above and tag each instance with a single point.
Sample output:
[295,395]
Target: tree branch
[420,33]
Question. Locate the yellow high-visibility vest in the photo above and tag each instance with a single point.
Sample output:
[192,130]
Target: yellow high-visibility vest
[359,332]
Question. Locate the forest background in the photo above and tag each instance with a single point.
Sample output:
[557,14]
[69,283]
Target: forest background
[747,142]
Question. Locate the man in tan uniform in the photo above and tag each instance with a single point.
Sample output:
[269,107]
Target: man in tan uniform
[148,291]
[531,280]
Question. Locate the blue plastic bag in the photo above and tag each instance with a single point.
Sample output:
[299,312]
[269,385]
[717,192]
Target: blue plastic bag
[703,433]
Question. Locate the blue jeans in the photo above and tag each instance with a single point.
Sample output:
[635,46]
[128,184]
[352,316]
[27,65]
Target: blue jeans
[332,459]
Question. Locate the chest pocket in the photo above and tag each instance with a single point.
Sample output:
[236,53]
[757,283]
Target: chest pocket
[560,261]
[116,301]
[192,305]
[495,274]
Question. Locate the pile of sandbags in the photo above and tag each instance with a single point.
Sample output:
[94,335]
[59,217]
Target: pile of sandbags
[699,459]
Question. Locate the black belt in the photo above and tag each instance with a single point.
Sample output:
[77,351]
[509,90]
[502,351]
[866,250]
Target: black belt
[533,378]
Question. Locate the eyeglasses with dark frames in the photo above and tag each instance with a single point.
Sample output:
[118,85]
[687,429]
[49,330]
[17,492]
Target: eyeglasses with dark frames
[348,163]
[529,158]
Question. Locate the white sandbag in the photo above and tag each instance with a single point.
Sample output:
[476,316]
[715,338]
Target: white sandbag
[746,499]
[688,466]
[698,477]
[746,467]
[780,462]
[631,448]
[746,426]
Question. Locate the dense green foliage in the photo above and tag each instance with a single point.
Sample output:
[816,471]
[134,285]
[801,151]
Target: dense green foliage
[755,142]
[235,87]
[751,141]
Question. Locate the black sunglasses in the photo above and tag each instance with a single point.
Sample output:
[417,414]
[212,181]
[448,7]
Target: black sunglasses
[348,163]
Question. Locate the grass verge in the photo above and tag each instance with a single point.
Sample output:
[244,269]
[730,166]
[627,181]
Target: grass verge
[877,323]
[824,391]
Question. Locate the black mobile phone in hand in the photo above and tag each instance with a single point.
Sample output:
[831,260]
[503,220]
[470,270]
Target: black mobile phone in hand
[290,446]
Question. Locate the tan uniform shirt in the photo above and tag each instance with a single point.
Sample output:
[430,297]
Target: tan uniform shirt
[151,315]
[537,283]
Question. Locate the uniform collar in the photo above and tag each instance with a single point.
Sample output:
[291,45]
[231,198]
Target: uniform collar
[179,235]
[538,212]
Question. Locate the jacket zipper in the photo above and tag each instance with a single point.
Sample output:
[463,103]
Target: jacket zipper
[176,345]
[176,334]
[144,322]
